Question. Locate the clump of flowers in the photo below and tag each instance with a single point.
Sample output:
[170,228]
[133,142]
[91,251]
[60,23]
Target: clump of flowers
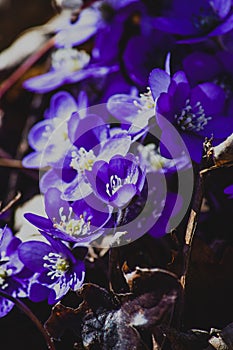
[134,95]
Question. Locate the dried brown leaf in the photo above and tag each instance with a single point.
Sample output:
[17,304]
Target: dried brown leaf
[62,318]
[106,320]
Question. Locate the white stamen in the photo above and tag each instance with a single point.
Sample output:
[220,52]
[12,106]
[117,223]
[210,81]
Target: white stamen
[4,270]
[192,118]
[115,183]
[56,264]
[69,59]
[82,160]
[151,157]
[73,227]
[146,101]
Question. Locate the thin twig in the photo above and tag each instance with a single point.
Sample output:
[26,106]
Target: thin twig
[11,203]
[191,226]
[216,167]
[194,216]
[33,318]
[10,163]
[206,162]
[17,164]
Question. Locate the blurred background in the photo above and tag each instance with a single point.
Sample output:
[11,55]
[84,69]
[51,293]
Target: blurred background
[18,15]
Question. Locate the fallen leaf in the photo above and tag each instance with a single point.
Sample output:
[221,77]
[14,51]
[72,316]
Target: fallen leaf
[106,320]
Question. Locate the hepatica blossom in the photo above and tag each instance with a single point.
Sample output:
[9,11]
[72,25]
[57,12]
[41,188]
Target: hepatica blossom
[92,141]
[13,279]
[49,138]
[136,111]
[201,67]
[130,108]
[65,63]
[116,182]
[197,19]
[56,270]
[76,222]
[68,66]
[192,110]
[94,19]
[150,158]
[139,63]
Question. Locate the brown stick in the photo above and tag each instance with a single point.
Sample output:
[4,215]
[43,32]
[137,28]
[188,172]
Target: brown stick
[191,226]
[11,163]
[11,203]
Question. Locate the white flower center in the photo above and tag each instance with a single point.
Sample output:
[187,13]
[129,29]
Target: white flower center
[192,118]
[4,271]
[146,101]
[115,183]
[73,227]
[152,159]
[69,59]
[56,264]
[82,160]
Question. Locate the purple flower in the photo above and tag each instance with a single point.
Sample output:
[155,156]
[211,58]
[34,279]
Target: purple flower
[116,182]
[13,276]
[196,20]
[80,31]
[130,108]
[229,191]
[68,66]
[201,67]
[192,110]
[49,138]
[82,133]
[150,158]
[113,18]
[92,141]
[105,20]
[102,18]
[144,52]
[56,269]
[135,112]
[80,222]
[154,210]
